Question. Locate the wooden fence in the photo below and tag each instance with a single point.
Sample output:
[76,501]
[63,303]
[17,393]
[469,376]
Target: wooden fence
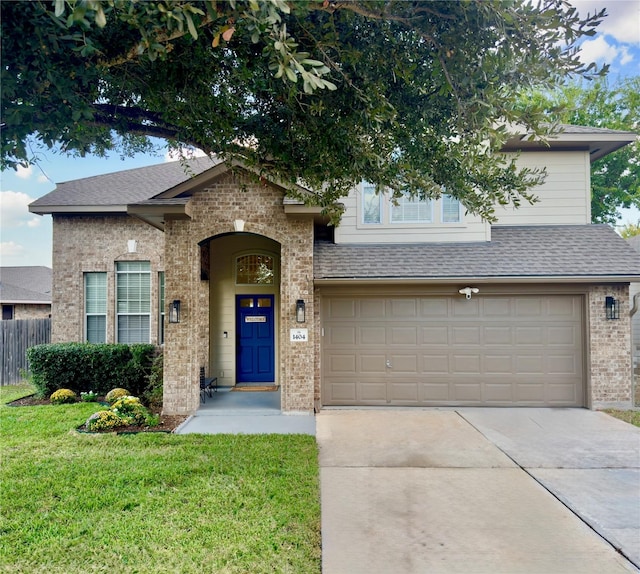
[15,338]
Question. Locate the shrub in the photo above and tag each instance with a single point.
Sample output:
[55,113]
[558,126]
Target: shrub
[152,395]
[104,420]
[79,366]
[131,410]
[88,397]
[62,396]
[114,394]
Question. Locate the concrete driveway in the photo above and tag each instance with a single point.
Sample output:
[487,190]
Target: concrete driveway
[478,490]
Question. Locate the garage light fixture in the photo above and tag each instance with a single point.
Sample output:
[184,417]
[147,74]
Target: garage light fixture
[300,311]
[612,307]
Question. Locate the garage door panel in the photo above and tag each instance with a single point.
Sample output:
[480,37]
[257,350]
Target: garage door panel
[463,364]
[375,363]
[435,335]
[341,335]
[466,335]
[434,307]
[563,336]
[373,392]
[375,309]
[403,393]
[497,335]
[373,335]
[524,350]
[435,364]
[341,309]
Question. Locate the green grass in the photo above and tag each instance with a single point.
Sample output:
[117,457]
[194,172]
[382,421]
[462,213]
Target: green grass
[152,503]
[632,417]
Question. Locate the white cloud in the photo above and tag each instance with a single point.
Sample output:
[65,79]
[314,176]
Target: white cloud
[43,179]
[622,21]
[15,211]
[34,222]
[24,172]
[11,249]
[599,50]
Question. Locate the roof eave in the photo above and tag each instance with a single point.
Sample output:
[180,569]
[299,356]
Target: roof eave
[480,280]
[77,209]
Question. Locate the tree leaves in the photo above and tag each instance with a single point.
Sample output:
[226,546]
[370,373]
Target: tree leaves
[409,95]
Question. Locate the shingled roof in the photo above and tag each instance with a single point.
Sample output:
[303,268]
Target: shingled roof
[528,253]
[25,285]
[112,192]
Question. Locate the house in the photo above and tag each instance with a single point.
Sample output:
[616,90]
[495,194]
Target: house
[25,292]
[414,303]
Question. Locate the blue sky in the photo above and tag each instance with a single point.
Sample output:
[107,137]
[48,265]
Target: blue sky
[25,238]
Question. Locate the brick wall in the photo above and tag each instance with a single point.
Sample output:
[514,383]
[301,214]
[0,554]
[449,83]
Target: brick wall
[29,311]
[214,210]
[610,349]
[90,244]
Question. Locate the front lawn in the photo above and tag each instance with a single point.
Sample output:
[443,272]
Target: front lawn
[152,503]
[631,417]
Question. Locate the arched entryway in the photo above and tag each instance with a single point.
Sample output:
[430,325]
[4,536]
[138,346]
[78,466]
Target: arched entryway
[244,303]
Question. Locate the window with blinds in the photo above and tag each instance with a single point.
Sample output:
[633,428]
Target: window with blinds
[161,308]
[133,301]
[408,209]
[95,307]
[450,209]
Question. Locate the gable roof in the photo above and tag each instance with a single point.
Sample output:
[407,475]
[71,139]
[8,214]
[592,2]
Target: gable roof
[598,141]
[112,192]
[25,285]
[515,253]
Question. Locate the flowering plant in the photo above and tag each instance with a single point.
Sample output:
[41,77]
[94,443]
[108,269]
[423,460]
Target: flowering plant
[114,394]
[62,396]
[104,420]
[88,397]
[130,409]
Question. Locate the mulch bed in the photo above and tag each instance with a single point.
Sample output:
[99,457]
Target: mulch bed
[167,424]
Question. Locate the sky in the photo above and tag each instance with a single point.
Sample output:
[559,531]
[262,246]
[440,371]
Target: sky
[25,238]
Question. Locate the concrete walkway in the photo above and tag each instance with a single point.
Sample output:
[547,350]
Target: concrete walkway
[254,412]
[478,490]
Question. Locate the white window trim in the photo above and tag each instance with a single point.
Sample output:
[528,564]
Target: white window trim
[119,314]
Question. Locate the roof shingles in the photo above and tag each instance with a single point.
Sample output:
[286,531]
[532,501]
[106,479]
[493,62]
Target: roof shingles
[518,251]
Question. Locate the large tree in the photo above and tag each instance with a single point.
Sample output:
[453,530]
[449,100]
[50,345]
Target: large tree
[615,178]
[413,96]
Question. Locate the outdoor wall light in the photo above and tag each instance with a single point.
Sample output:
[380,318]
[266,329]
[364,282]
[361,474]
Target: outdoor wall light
[612,307]
[300,311]
[174,311]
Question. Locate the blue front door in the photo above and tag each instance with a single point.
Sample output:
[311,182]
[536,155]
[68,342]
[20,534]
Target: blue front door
[255,339]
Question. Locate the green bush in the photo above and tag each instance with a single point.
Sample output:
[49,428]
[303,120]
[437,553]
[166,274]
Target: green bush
[79,366]
[115,394]
[152,395]
[62,396]
[104,420]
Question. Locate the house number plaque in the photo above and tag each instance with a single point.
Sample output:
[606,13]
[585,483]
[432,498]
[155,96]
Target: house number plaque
[258,319]
[299,335]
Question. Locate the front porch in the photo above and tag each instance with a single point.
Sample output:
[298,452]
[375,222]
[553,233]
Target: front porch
[248,412]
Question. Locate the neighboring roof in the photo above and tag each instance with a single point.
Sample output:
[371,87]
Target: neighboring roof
[112,192]
[599,141]
[525,253]
[25,285]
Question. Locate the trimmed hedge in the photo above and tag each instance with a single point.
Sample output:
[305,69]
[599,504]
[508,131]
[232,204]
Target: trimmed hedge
[85,366]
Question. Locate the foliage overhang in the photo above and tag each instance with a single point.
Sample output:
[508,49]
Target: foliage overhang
[407,95]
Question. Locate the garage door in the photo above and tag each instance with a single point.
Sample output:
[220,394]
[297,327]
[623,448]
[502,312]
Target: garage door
[434,351]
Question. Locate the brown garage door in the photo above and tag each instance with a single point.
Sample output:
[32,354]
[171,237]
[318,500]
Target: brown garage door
[427,351]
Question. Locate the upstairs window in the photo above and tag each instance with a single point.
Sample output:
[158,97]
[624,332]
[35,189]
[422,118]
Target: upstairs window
[133,305]
[371,204]
[450,209]
[408,209]
[255,269]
